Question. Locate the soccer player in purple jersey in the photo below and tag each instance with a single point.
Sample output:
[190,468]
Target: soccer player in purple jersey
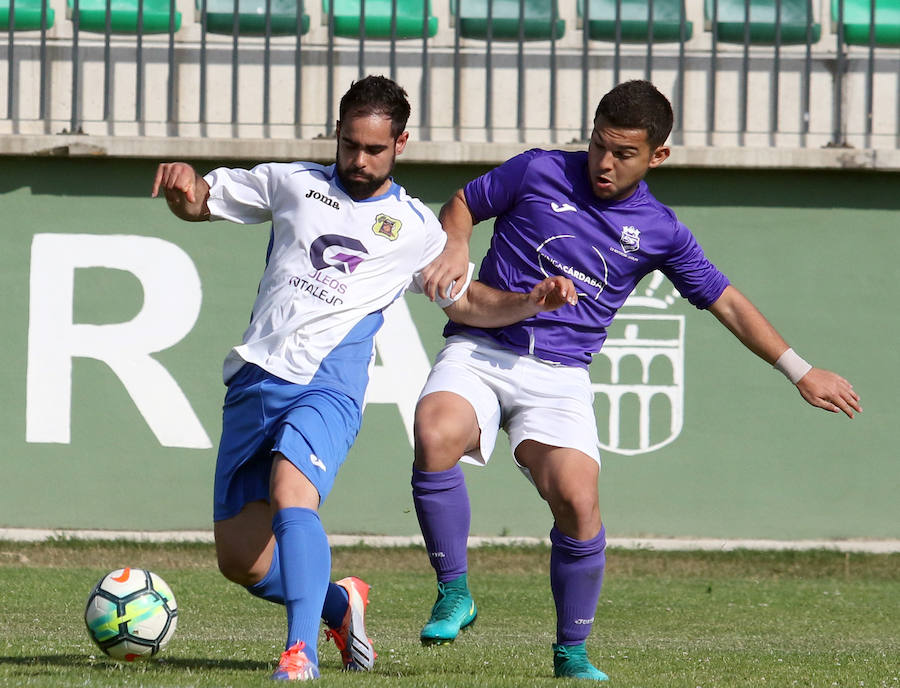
[590,216]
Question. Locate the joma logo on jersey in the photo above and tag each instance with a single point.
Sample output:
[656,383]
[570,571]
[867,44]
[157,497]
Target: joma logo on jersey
[327,200]
[387,226]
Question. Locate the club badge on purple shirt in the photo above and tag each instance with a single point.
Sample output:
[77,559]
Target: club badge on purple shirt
[631,239]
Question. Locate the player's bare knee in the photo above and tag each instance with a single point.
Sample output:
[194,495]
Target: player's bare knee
[577,513]
[438,444]
[236,566]
[571,507]
[433,438]
[237,571]
[445,427]
[229,563]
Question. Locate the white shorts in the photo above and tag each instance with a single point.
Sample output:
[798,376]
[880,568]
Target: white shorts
[529,398]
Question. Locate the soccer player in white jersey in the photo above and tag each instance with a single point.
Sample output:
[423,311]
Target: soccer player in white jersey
[556,212]
[346,241]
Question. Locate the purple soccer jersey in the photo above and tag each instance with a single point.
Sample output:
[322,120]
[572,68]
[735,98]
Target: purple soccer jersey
[550,223]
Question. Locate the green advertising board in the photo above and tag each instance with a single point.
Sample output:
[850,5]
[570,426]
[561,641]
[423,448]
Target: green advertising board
[117,317]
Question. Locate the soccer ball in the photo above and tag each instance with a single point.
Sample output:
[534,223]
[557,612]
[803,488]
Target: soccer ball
[131,614]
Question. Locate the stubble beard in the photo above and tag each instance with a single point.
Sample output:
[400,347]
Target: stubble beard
[360,189]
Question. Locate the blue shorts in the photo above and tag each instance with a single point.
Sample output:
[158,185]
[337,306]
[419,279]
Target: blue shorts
[314,427]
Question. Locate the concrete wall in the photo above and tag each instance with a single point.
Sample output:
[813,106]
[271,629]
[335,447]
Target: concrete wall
[113,341]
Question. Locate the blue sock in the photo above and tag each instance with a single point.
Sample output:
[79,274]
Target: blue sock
[270,588]
[336,601]
[305,569]
[576,577]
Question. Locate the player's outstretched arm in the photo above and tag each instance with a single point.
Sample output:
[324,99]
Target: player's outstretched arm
[484,306]
[186,191]
[449,269]
[821,388]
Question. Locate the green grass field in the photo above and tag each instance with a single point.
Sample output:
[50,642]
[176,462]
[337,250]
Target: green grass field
[664,619]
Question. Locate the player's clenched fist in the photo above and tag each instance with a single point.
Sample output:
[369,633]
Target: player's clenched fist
[554,292]
[186,191]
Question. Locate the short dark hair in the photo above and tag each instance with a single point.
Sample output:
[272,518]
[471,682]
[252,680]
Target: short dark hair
[638,105]
[377,95]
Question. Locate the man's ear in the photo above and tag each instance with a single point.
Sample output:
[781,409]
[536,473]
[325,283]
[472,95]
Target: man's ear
[400,142]
[658,157]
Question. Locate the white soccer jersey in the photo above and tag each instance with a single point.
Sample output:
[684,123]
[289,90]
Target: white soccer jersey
[333,265]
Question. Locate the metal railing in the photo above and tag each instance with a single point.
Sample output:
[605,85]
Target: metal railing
[724,93]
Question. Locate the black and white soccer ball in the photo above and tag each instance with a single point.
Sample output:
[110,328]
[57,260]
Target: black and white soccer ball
[131,614]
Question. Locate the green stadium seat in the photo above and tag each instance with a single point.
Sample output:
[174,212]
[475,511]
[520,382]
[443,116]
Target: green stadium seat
[538,19]
[123,16]
[635,23]
[28,15]
[410,16]
[795,16]
[857,16]
[252,17]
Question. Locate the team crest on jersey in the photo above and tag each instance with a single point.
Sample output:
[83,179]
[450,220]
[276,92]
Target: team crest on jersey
[386,226]
[630,239]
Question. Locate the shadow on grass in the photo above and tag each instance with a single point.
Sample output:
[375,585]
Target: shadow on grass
[162,662]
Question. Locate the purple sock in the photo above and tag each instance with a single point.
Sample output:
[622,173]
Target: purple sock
[576,576]
[442,505]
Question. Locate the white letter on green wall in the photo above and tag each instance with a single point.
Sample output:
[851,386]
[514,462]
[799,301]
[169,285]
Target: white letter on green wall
[172,297]
[404,364]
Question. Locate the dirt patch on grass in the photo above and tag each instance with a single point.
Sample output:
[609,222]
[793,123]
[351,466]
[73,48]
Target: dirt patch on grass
[80,553]
[754,565]
[501,559]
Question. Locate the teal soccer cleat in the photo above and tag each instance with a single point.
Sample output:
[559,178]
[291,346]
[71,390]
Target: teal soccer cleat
[453,611]
[570,661]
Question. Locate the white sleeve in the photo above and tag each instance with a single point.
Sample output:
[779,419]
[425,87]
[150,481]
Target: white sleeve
[441,299]
[435,236]
[242,196]
[435,240]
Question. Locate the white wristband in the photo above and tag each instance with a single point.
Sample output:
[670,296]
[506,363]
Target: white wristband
[792,366]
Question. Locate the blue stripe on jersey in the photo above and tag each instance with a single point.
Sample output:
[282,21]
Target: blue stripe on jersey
[269,247]
[416,211]
[268,254]
[318,169]
[346,367]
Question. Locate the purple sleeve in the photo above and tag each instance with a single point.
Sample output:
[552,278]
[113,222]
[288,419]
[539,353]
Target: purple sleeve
[688,268]
[497,191]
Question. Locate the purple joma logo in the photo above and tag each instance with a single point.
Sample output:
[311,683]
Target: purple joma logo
[346,262]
